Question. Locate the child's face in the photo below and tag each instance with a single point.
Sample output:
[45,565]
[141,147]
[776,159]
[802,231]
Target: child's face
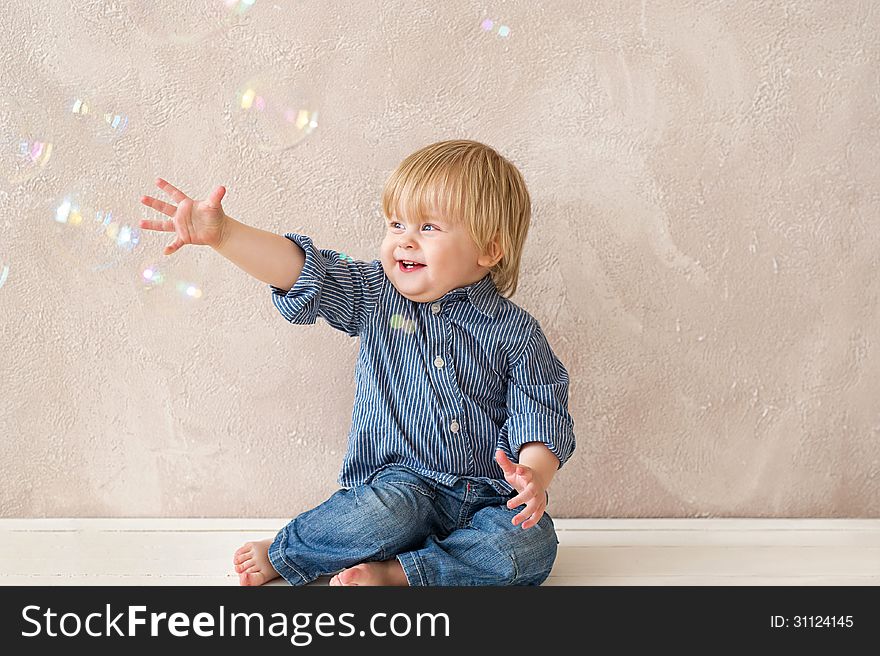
[449,257]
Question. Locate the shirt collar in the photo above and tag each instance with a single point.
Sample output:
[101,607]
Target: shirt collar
[482,294]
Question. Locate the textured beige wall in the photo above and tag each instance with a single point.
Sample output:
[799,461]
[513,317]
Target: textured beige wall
[703,255]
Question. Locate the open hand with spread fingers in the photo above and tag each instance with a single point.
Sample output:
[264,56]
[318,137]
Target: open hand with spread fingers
[195,222]
[531,490]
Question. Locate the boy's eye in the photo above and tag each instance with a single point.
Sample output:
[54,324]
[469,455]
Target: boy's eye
[396,225]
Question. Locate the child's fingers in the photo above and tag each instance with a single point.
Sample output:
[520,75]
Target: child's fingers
[160,205]
[217,196]
[172,248]
[522,517]
[504,461]
[170,189]
[161,226]
[183,221]
[529,515]
[523,497]
[535,518]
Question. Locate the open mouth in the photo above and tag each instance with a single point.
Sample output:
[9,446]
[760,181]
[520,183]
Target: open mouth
[408,265]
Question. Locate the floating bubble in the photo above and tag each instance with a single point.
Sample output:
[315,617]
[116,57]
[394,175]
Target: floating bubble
[398,321]
[187,22]
[239,6]
[72,212]
[488,25]
[26,144]
[91,230]
[32,156]
[102,123]
[188,290]
[153,277]
[274,113]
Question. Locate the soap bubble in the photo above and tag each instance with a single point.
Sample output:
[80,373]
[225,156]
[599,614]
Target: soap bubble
[189,22]
[26,141]
[93,229]
[102,121]
[4,270]
[107,113]
[239,6]
[400,322]
[273,113]
[154,276]
[188,289]
[24,160]
[489,25]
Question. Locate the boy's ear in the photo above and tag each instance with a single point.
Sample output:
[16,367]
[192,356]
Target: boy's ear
[492,256]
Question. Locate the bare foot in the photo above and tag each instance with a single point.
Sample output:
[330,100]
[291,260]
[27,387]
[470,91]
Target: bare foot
[252,563]
[386,572]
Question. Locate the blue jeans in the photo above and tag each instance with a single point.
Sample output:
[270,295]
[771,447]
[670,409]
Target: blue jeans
[441,535]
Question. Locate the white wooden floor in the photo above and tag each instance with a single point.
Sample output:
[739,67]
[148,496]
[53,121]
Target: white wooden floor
[591,551]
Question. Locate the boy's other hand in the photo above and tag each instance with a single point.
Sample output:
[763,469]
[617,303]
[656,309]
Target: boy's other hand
[531,490]
[195,222]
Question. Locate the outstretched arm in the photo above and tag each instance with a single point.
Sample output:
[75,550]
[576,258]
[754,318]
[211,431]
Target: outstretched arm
[266,256]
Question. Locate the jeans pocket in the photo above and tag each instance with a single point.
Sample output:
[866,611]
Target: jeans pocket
[398,477]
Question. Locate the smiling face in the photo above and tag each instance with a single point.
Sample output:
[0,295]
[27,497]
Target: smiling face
[446,257]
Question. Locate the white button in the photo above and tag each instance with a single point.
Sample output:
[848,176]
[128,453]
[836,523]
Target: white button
[438,362]
[454,426]
[435,308]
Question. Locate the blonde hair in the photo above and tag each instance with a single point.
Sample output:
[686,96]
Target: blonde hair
[471,184]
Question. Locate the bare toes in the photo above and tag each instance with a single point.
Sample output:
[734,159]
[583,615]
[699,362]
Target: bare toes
[350,576]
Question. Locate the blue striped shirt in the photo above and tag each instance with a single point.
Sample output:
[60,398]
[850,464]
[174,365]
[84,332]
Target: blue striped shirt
[440,385]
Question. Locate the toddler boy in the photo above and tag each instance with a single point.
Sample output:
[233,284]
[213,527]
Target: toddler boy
[461,409]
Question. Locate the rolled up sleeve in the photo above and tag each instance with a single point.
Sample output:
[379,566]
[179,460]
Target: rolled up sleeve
[537,401]
[333,286]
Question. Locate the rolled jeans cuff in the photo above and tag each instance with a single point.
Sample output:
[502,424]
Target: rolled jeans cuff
[282,565]
[412,569]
